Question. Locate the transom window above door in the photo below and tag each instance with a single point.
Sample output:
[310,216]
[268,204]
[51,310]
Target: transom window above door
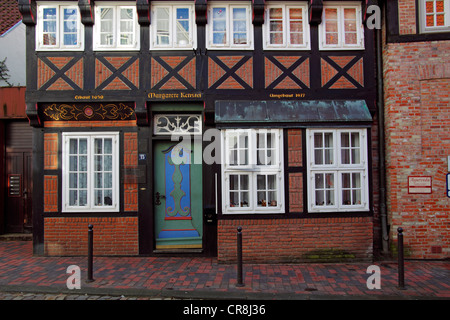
[176,124]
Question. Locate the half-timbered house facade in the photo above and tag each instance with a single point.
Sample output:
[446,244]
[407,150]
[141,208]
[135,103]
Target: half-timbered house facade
[168,124]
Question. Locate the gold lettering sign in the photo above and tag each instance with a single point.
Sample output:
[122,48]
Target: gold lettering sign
[287,95]
[175,95]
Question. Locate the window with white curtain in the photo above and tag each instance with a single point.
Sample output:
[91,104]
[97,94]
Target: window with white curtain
[252,171]
[286,26]
[337,170]
[341,26]
[90,172]
[229,26]
[173,26]
[116,26]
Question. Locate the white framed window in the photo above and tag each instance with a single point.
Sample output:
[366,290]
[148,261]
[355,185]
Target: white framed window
[341,27]
[286,26]
[252,171]
[173,26]
[337,170]
[90,172]
[116,26]
[229,26]
[59,27]
[434,16]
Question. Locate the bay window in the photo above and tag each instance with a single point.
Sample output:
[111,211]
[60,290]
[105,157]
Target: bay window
[252,169]
[337,170]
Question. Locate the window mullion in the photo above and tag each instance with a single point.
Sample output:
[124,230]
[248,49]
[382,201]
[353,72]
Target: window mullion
[341,26]
[228,31]
[91,174]
[116,26]
[286,25]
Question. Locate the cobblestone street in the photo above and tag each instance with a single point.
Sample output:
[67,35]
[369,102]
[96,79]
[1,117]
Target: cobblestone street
[62,296]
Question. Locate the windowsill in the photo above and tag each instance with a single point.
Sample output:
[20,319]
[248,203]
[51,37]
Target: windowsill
[341,48]
[265,48]
[231,48]
[116,49]
[59,49]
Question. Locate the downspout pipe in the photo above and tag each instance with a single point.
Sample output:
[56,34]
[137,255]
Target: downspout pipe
[381,138]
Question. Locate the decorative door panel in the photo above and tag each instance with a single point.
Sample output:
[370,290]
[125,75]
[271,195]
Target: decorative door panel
[178,197]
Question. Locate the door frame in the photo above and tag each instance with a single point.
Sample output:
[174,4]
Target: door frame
[190,248]
[147,139]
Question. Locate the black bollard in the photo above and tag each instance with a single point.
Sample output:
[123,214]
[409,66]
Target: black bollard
[90,252]
[401,265]
[240,282]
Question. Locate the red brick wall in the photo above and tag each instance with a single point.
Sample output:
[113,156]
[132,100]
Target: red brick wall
[50,193]
[130,160]
[112,236]
[216,72]
[159,72]
[407,16]
[102,73]
[45,73]
[417,116]
[296,240]
[50,151]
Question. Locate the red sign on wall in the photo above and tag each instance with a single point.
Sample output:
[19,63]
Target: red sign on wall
[420,185]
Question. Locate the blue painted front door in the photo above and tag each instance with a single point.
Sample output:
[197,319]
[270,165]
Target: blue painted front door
[178,197]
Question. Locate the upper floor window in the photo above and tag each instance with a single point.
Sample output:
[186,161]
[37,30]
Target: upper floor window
[116,27]
[341,27]
[172,26]
[229,26]
[59,27]
[286,26]
[435,15]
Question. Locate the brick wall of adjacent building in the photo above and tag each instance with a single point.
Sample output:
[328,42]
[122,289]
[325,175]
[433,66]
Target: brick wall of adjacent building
[417,119]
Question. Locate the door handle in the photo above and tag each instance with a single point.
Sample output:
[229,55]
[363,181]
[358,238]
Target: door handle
[158,198]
